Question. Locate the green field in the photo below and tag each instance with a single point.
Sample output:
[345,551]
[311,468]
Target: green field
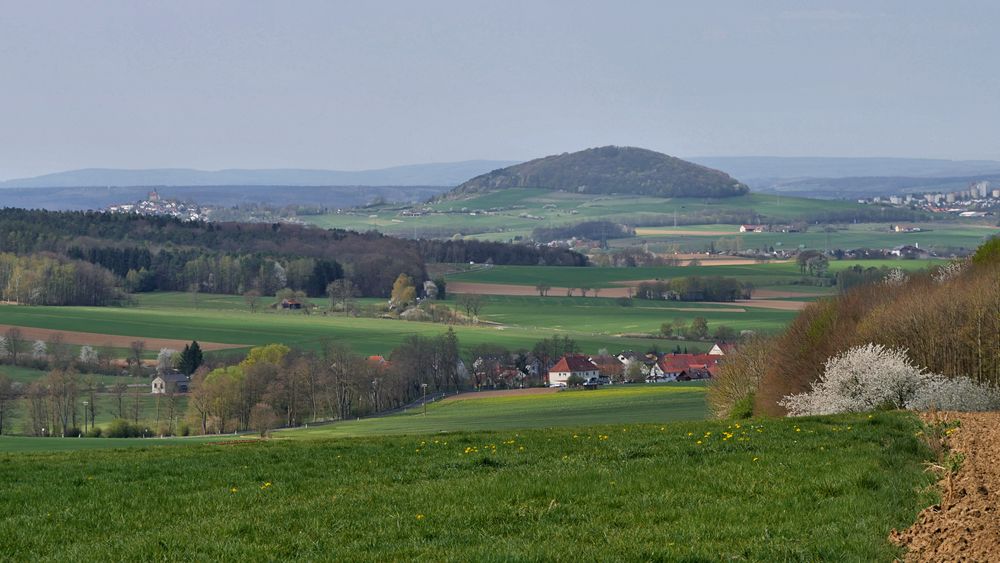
[606,316]
[474,215]
[365,335]
[935,237]
[808,489]
[619,404]
[761,275]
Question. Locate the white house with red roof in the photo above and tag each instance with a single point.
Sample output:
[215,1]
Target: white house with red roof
[571,365]
[683,367]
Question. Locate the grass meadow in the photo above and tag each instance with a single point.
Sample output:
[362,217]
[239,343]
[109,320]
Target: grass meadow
[621,404]
[826,488]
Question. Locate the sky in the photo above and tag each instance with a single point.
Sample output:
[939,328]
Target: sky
[359,85]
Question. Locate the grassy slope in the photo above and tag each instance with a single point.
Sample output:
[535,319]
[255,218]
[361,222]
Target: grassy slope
[619,404]
[809,489]
[760,275]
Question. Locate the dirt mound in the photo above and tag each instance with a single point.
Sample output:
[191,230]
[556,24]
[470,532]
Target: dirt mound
[965,527]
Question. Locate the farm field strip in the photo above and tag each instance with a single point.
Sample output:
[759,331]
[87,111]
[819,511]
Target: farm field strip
[114,340]
[619,404]
[761,275]
[365,335]
[824,488]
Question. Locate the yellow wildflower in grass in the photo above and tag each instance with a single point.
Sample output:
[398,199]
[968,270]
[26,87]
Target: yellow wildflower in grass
[233,490]
[420,516]
[266,485]
[698,442]
[756,458]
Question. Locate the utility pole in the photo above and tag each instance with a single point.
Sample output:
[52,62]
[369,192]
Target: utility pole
[423,386]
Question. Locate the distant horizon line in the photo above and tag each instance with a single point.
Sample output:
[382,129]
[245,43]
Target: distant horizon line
[4,179]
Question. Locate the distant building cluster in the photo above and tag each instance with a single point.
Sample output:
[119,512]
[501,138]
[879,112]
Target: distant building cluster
[977,201]
[156,205]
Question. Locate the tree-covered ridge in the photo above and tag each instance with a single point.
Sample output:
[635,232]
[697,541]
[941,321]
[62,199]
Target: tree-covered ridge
[161,253]
[623,170]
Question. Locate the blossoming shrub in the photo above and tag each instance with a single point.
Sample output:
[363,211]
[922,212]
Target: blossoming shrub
[955,394]
[873,377]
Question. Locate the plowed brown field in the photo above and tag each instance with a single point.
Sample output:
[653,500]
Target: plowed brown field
[966,526]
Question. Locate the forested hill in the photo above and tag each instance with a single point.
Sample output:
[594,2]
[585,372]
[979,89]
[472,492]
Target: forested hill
[159,253]
[622,170]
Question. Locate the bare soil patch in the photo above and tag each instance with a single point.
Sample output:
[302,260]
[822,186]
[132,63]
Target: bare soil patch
[502,393]
[118,341]
[684,232]
[965,527]
[778,294]
[768,304]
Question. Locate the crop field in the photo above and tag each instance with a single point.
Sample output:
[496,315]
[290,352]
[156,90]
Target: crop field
[618,404]
[699,238]
[827,488]
[606,316]
[760,275]
[544,208]
[364,335]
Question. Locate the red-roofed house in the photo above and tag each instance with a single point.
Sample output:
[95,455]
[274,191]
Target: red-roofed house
[571,365]
[683,367]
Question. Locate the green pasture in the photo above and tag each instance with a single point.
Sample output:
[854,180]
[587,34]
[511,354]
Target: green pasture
[828,488]
[364,335]
[607,316]
[760,275]
[26,444]
[472,215]
[933,237]
[618,404]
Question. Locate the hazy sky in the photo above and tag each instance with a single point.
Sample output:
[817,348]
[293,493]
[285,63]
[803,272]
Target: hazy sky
[349,86]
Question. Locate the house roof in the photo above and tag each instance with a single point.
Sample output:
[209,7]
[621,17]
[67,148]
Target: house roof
[173,377]
[574,363]
[676,363]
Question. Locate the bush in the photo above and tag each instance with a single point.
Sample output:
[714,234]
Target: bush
[94,432]
[863,378]
[955,394]
[872,377]
[73,432]
[731,393]
[121,428]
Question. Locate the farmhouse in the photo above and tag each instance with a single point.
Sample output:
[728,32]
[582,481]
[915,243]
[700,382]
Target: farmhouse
[752,228]
[609,367]
[683,367]
[170,383]
[571,365]
[291,304]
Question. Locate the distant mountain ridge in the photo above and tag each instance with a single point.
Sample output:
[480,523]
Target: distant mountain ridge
[435,174]
[610,169]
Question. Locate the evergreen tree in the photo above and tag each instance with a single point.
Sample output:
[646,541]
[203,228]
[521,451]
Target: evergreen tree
[191,358]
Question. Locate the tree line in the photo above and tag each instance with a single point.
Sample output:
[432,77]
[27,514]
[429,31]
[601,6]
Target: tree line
[695,288]
[163,253]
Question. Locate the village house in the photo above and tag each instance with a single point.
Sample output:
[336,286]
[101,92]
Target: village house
[170,383]
[571,365]
[752,228]
[609,367]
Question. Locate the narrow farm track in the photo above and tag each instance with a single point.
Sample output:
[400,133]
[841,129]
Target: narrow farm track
[966,525]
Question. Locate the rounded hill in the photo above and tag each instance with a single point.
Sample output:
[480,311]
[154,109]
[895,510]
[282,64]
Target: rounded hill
[603,170]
